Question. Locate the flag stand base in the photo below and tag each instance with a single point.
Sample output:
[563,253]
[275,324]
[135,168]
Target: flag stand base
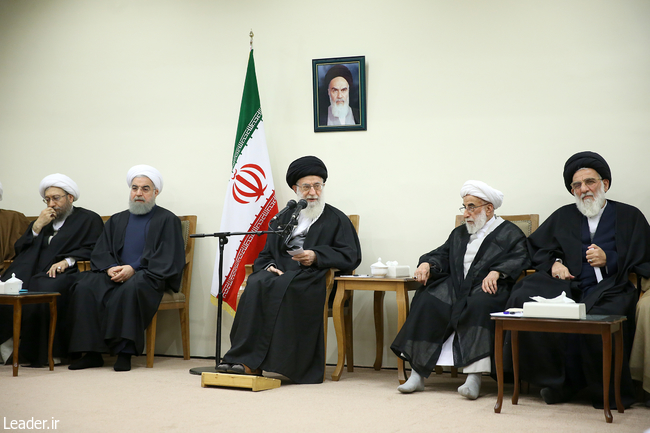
[254,383]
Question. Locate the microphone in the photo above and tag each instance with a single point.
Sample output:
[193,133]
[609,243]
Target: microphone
[299,207]
[293,221]
[290,205]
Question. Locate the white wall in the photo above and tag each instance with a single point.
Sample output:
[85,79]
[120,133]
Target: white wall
[501,91]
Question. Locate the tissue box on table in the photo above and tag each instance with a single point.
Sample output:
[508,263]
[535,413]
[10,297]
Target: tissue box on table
[555,311]
[398,271]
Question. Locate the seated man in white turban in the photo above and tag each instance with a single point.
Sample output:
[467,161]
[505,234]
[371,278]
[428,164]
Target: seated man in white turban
[45,261]
[138,256]
[465,280]
[12,225]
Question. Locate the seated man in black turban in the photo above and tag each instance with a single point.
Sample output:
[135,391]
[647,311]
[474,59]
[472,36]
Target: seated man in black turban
[279,321]
[585,249]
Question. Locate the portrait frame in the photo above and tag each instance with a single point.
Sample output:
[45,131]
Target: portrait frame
[356,93]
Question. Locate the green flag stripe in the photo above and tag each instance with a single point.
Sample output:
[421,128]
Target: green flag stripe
[250,113]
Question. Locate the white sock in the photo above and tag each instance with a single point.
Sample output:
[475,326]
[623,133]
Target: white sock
[6,349]
[472,386]
[414,383]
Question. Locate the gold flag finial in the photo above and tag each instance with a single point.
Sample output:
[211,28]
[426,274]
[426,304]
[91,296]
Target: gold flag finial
[251,35]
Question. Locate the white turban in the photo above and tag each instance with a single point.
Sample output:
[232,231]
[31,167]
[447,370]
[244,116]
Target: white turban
[1,191]
[148,171]
[482,190]
[60,181]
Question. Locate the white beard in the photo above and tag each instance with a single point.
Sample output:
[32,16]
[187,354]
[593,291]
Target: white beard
[590,208]
[313,209]
[475,224]
[340,111]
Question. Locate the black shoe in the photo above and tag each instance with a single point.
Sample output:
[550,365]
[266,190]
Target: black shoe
[554,395]
[123,362]
[223,367]
[89,360]
[237,369]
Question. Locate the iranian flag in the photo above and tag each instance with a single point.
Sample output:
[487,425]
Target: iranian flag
[250,200]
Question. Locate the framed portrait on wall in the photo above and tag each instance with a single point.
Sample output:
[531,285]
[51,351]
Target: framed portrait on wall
[339,94]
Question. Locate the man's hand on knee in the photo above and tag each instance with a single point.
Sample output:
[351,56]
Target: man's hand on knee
[120,274]
[490,282]
[561,272]
[274,270]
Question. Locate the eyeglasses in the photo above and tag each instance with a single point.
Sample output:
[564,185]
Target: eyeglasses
[305,187]
[471,208]
[56,198]
[145,189]
[588,182]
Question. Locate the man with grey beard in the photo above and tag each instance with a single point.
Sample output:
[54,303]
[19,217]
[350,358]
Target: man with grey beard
[139,255]
[279,322]
[587,250]
[465,280]
[45,261]
[339,113]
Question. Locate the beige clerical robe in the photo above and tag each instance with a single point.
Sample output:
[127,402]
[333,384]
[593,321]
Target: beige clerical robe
[12,226]
[640,358]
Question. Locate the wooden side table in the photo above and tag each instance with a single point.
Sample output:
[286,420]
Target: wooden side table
[380,286]
[20,299]
[599,325]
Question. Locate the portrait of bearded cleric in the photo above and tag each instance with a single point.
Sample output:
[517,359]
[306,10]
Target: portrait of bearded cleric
[339,94]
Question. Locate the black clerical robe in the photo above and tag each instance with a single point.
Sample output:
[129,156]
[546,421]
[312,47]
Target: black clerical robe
[34,257]
[104,314]
[556,360]
[279,322]
[452,302]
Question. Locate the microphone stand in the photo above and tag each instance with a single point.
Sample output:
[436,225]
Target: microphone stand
[223,240]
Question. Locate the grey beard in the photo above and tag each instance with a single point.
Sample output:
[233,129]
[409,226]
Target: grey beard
[66,213]
[479,222]
[141,208]
[592,207]
[312,210]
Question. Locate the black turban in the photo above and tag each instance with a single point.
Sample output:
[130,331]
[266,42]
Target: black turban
[586,160]
[338,71]
[305,166]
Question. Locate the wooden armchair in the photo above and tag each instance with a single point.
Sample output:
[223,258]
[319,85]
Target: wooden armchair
[327,312]
[177,301]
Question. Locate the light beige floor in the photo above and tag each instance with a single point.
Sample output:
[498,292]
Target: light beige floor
[168,399]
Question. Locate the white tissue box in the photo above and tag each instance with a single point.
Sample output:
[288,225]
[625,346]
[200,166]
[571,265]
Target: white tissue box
[555,311]
[399,271]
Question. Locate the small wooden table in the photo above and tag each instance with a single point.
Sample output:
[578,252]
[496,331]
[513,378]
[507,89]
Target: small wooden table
[380,286]
[20,299]
[593,324]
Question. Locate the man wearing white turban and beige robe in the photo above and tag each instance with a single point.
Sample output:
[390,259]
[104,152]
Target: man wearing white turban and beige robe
[45,261]
[465,280]
[139,255]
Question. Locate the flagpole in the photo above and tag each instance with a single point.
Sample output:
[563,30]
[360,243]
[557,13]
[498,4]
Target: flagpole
[250,180]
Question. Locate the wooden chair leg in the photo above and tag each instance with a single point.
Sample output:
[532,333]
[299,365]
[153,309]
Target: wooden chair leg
[185,331]
[328,290]
[438,369]
[349,347]
[151,340]
[454,372]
